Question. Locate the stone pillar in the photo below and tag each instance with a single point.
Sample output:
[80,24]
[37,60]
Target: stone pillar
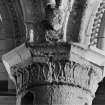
[61,74]
[55,71]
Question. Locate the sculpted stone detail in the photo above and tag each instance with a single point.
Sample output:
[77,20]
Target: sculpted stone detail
[95,35]
[47,71]
[18,24]
[57,72]
[47,18]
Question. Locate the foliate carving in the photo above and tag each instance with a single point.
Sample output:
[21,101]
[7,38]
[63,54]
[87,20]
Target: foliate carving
[44,52]
[58,72]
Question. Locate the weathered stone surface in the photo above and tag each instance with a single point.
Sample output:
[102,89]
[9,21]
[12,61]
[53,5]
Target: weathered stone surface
[60,95]
[29,72]
[19,55]
[47,67]
[11,31]
[47,19]
[58,72]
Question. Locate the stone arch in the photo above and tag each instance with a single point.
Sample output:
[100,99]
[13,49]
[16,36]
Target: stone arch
[100,35]
[12,31]
[97,28]
[95,35]
[92,26]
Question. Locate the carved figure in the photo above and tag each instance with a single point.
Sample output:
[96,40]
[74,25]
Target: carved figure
[48,24]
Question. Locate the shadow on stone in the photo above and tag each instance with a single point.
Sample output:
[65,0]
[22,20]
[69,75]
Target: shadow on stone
[27,99]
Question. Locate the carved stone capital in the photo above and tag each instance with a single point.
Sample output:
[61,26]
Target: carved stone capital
[55,69]
[51,69]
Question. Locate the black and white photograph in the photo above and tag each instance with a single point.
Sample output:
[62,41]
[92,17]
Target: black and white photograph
[52,52]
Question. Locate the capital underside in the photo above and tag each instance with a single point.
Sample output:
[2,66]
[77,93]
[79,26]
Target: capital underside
[58,82]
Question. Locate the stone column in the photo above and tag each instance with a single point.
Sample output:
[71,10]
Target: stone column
[61,74]
[55,71]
